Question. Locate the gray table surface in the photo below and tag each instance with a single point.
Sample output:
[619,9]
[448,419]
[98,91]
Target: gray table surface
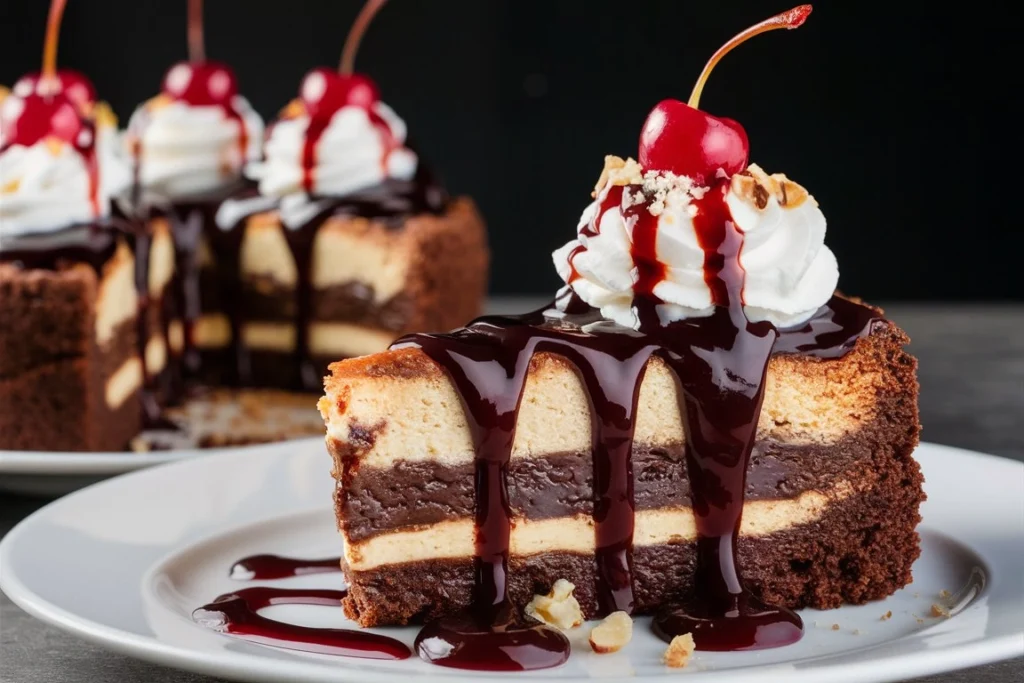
[972,395]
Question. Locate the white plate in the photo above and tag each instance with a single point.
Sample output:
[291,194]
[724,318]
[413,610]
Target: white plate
[50,473]
[123,563]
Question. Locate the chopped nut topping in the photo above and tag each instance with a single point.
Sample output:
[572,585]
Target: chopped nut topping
[104,115]
[755,186]
[835,627]
[679,651]
[940,611]
[558,608]
[618,171]
[293,109]
[887,616]
[612,634]
[158,102]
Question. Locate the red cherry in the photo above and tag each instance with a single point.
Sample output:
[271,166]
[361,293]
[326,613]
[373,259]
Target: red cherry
[362,91]
[30,119]
[324,91]
[687,141]
[680,138]
[78,88]
[201,84]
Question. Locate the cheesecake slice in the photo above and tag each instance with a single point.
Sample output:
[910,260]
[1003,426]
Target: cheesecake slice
[832,490]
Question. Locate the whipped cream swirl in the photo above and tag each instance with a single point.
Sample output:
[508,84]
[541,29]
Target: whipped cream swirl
[789,272]
[53,184]
[183,150]
[358,148]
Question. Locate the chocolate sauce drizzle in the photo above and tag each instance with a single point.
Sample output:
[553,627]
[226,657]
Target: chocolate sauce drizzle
[721,362]
[237,614]
[266,567]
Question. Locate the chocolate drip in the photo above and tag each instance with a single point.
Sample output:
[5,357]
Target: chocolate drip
[264,567]
[91,243]
[237,614]
[721,362]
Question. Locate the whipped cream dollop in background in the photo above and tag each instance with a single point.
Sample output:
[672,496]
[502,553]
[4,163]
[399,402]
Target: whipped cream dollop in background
[184,150]
[790,273]
[351,154]
[46,187]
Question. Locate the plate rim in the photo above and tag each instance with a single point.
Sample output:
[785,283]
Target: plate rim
[84,463]
[239,666]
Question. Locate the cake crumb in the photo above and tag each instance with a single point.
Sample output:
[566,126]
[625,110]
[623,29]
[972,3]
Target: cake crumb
[939,611]
[945,594]
[887,616]
[558,608]
[679,651]
[835,627]
[612,634]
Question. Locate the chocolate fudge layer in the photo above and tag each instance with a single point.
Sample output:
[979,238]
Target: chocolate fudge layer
[70,373]
[832,490]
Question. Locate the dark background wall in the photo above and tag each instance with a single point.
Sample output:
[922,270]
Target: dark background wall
[895,115]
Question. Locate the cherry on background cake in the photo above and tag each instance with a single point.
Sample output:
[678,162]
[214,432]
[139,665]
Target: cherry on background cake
[340,241]
[69,369]
[699,427]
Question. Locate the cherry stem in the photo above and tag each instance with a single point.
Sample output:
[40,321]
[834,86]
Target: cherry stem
[355,35]
[196,44]
[790,19]
[49,72]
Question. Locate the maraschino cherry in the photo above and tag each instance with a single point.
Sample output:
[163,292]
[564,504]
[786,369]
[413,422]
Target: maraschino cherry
[680,138]
[325,91]
[199,82]
[50,103]
[73,84]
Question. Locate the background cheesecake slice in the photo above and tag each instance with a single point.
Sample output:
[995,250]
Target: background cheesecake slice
[831,501]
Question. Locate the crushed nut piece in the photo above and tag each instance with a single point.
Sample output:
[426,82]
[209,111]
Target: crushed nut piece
[939,611]
[887,616]
[618,171]
[835,627]
[104,115]
[755,186]
[612,634]
[558,608]
[293,109]
[679,651]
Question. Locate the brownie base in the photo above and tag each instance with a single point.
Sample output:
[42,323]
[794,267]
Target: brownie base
[53,374]
[62,406]
[861,549]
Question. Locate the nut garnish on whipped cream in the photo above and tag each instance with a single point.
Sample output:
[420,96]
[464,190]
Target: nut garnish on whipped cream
[789,272]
